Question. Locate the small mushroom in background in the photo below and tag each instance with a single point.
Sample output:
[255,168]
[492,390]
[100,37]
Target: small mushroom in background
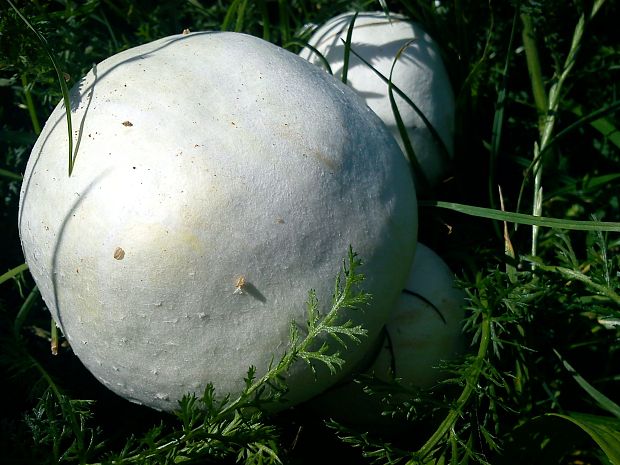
[159,308]
[424,329]
[419,73]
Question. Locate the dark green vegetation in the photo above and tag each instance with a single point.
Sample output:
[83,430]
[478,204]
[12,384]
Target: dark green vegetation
[537,95]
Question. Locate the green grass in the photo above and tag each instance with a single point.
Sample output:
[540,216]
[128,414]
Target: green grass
[536,86]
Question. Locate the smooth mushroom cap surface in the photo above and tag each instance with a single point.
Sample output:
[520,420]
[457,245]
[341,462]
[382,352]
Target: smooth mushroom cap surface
[419,72]
[218,178]
[426,325]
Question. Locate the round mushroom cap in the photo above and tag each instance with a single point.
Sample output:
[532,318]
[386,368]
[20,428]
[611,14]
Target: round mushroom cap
[218,178]
[425,326]
[419,72]
[424,329]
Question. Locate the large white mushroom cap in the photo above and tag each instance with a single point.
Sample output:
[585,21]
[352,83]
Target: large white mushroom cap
[419,73]
[218,179]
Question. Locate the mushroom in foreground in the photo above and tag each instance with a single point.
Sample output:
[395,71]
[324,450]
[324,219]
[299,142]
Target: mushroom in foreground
[218,179]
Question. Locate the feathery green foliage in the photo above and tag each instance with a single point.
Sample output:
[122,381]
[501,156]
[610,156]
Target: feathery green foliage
[211,426]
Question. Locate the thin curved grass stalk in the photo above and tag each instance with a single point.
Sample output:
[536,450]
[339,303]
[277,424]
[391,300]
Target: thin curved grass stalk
[264,12]
[24,310]
[469,83]
[509,250]
[347,49]
[234,7]
[13,272]
[418,173]
[597,120]
[498,116]
[284,18]
[535,72]
[578,276]
[285,29]
[436,137]
[103,19]
[522,218]
[447,425]
[240,16]
[36,126]
[61,80]
[552,105]
[72,417]
[314,50]
[384,7]
[10,175]
[601,399]
[542,105]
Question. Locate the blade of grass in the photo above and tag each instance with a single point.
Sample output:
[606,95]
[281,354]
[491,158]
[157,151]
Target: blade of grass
[54,338]
[285,30]
[498,116]
[314,50]
[241,16]
[61,80]
[13,272]
[522,218]
[541,103]
[552,103]
[415,108]
[528,36]
[384,7]
[578,276]
[24,310]
[613,107]
[604,431]
[455,412]
[264,11]
[418,173]
[601,399]
[10,175]
[509,250]
[36,126]
[601,124]
[587,184]
[347,49]
[232,9]
[103,19]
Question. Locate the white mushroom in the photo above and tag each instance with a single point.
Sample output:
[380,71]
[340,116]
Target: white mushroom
[419,73]
[218,179]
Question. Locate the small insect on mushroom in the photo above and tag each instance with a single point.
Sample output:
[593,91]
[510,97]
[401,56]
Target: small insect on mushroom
[239,285]
[119,253]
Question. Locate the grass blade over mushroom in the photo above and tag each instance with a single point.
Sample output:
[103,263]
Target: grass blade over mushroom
[61,80]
